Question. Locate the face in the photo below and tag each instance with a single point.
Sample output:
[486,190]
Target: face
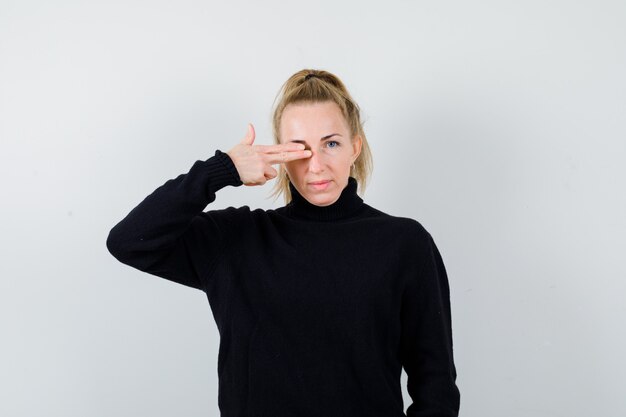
[323,130]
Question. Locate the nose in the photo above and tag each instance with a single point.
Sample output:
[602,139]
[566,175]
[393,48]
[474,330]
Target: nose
[315,162]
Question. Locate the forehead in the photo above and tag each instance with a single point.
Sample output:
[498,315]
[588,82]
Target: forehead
[312,118]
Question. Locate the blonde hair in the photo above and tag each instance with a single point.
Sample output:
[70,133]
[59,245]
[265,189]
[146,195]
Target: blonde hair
[313,86]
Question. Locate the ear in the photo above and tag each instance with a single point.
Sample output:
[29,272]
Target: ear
[357,143]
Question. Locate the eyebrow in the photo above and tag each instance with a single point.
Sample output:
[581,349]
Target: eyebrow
[324,138]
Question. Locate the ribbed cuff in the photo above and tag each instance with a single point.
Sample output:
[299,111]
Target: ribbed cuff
[223,170]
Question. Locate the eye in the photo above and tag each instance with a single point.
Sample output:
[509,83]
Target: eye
[334,141]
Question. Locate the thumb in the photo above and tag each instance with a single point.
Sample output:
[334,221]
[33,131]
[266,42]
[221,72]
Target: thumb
[249,138]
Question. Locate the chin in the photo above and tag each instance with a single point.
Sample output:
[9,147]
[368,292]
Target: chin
[325,200]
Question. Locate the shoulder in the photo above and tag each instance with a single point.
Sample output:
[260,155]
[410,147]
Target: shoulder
[228,217]
[242,215]
[237,224]
[227,213]
[406,226]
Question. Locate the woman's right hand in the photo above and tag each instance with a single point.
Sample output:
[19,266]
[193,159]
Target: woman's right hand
[254,162]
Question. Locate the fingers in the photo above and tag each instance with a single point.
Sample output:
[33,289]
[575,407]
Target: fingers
[282,147]
[270,173]
[286,156]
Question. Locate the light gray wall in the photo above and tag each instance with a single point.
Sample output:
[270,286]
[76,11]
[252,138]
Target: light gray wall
[500,126]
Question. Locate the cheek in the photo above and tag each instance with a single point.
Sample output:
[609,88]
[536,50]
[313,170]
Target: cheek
[337,157]
[294,166]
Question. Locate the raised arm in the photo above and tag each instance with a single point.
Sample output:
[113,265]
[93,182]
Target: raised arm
[426,348]
[168,234]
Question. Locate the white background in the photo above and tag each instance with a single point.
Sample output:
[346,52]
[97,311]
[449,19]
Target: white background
[499,125]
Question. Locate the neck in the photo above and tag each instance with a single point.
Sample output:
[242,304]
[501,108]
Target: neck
[345,206]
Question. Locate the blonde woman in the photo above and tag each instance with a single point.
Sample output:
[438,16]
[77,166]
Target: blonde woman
[321,302]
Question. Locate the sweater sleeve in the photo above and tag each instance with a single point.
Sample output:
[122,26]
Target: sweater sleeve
[168,234]
[426,346]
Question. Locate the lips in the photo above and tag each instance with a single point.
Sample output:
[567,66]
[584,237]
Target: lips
[319,185]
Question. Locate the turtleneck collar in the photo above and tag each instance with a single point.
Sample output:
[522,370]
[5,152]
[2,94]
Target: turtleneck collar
[347,204]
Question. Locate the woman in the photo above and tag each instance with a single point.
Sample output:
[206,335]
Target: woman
[321,302]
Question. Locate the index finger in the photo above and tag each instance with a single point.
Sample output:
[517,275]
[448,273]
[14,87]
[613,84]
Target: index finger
[282,147]
[282,157]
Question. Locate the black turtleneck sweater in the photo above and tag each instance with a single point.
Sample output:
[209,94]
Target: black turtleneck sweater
[318,307]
